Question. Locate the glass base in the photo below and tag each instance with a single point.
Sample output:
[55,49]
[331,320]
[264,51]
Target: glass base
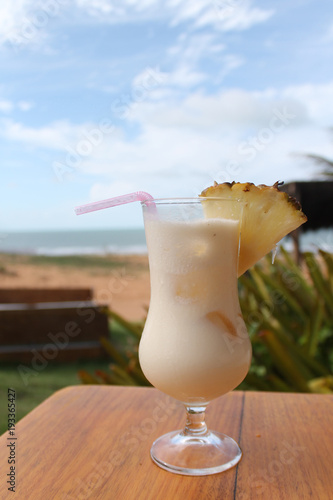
[195,455]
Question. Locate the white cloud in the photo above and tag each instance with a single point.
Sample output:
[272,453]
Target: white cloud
[222,111]
[229,15]
[191,51]
[233,135]
[226,15]
[180,162]
[184,76]
[193,47]
[188,59]
[100,7]
[25,105]
[12,14]
[23,23]
[55,136]
[6,106]
[317,98]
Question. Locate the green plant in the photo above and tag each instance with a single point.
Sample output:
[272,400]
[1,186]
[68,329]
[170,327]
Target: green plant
[124,368]
[289,315]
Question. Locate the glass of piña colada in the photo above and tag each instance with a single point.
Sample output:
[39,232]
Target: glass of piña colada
[194,346]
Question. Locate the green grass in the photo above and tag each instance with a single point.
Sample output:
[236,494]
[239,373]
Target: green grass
[40,386]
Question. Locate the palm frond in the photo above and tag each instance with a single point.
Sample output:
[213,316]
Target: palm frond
[323,162]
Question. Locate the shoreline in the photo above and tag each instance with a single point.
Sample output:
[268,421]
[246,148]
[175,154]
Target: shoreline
[119,281]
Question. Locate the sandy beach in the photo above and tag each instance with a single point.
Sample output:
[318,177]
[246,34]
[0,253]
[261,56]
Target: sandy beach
[121,282]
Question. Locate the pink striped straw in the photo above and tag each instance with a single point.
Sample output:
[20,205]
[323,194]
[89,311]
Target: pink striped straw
[113,202]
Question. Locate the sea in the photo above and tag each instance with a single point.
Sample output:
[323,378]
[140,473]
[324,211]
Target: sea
[116,241]
[76,242]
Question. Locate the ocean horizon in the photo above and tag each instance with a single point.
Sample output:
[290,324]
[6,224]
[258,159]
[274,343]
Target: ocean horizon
[116,241]
[74,242]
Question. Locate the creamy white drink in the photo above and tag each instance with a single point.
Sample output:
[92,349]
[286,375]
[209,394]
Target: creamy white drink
[195,346]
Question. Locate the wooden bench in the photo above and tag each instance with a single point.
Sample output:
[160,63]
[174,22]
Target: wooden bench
[41,325]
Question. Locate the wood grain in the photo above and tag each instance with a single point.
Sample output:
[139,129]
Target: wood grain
[287,441]
[94,441]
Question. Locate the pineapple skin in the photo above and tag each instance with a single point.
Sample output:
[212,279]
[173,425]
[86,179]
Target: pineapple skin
[243,187]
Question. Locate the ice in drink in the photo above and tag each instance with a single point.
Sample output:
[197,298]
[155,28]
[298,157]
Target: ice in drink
[195,346]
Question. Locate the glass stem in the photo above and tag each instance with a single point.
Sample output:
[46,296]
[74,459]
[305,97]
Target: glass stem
[195,421]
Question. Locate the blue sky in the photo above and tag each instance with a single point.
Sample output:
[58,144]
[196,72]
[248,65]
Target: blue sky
[101,97]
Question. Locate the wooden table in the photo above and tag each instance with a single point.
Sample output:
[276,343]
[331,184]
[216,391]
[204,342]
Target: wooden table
[93,442]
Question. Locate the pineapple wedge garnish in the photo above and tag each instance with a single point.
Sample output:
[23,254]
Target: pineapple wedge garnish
[268,215]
